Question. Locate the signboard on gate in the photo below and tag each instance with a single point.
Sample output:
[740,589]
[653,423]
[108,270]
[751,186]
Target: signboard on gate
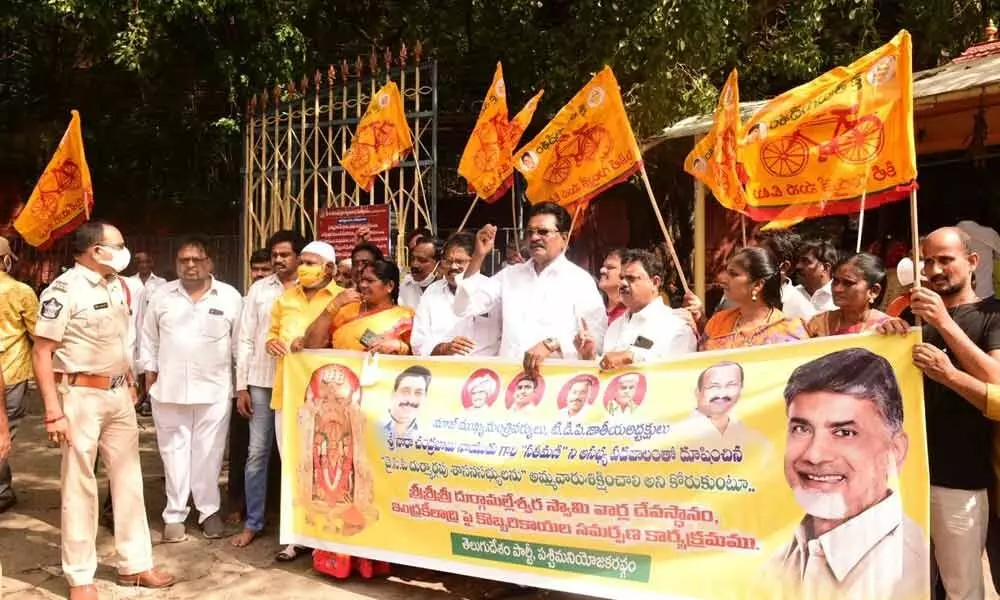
[339,226]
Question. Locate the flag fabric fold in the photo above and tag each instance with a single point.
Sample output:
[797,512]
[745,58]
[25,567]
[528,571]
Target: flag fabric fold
[713,161]
[382,139]
[820,148]
[588,147]
[64,195]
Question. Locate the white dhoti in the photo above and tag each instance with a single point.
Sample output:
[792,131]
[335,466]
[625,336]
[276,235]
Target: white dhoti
[192,442]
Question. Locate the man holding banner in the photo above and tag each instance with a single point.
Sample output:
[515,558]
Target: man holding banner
[845,445]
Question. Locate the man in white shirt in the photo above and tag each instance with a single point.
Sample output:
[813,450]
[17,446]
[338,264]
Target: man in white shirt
[784,245]
[649,329]
[424,256]
[541,301]
[436,329]
[188,344]
[985,242]
[578,397]
[815,268]
[255,367]
[712,424]
[141,287]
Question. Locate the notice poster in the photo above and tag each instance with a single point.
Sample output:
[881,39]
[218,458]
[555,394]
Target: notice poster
[339,226]
[787,471]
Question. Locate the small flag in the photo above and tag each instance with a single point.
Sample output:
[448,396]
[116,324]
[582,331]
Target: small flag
[381,140]
[713,160]
[587,148]
[64,195]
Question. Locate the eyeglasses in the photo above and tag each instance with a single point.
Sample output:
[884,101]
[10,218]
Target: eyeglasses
[192,260]
[111,246]
[458,262]
[541,232]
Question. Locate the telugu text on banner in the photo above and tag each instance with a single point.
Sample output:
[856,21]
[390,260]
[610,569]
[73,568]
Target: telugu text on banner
[587,148]
[817,149]
[382,138]
[646,483]
[713,160]
[63,197]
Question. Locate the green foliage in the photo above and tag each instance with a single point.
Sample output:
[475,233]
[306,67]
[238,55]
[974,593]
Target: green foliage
[162,84]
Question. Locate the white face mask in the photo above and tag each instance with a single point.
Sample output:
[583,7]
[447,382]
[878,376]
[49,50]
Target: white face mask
[120,258]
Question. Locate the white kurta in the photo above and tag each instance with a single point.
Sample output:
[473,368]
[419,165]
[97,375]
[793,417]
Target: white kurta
[436,323]
[670,335]
[536,306]
[254,366]
[190,344]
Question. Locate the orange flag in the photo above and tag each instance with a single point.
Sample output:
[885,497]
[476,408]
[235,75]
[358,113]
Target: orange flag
[487,163]
[63,197]
[587,148]
[820,148]
[713,160]
[381,140]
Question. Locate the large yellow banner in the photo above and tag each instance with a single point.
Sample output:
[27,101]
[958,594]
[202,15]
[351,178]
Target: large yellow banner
[791,471]
[64,195]
[587,148]
[817,149]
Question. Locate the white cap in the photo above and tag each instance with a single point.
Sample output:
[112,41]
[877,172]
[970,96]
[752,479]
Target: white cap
[322,250]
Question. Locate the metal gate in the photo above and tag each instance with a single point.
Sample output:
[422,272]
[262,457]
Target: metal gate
[296,134]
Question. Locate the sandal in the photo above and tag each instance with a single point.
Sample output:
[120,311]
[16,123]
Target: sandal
[290,553]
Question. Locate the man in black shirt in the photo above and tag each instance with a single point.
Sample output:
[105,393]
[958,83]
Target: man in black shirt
[961,348]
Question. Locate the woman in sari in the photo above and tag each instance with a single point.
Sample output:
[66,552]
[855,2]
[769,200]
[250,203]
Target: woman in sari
[368,320]
[858,285]
[752,282]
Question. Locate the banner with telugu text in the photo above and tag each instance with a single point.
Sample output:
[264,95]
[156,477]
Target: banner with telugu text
[819,148]
[695,478]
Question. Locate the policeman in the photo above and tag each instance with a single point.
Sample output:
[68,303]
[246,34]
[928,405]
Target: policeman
[82,362]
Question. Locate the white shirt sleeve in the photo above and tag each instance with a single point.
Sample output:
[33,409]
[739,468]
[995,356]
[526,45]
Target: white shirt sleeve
[478,295]
[420,338]
[675,341]
[245,334]
[149,341]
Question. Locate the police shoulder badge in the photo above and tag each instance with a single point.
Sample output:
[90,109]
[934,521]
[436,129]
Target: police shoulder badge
[51,308]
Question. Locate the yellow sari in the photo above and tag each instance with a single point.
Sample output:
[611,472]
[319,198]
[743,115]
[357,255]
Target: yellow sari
[354,330]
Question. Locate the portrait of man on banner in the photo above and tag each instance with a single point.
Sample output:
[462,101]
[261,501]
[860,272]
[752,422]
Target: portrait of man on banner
[525,393]
[481,390]
[625,394]
[845,449]
[574,398]
[408,392]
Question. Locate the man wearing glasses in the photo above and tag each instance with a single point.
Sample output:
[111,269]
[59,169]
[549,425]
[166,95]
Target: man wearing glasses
[543,302]
[83,364]
[436,329]
[187,348]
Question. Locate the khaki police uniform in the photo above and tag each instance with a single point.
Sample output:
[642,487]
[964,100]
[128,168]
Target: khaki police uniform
[89,316]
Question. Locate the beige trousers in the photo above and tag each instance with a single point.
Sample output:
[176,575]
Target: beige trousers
[102,420]
[959,519]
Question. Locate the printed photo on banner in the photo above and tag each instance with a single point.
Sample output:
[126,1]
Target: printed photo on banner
[625,394]
[525,393]
[577,395]
[481,390]
[408,392]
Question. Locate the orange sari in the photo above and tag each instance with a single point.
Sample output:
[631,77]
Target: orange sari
[721,332]
[355,330]
[829,323]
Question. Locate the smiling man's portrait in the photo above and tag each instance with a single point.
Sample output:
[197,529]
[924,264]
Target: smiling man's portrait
[845,449]
[712,424]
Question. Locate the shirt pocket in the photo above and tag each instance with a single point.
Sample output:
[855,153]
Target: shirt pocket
[214,327]
[101,323]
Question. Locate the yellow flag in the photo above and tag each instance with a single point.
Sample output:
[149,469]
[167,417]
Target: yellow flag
[483,160]
[819,148]
[63,197]
[585,149]
[381,140]
[713,160]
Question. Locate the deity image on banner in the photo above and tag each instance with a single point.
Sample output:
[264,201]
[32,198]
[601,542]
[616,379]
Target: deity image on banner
[333,463]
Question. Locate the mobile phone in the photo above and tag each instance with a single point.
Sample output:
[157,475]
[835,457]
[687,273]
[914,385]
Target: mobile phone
[643,342]
[368,338]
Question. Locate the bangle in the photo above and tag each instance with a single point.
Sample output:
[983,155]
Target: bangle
[55,420]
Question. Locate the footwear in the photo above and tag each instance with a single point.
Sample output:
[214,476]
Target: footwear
[153,579]
[7,503]
[174,533]
[291,552]
[213,528]
[83,592]
[145,409]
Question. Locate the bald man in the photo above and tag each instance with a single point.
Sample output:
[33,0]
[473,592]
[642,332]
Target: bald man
[961,350]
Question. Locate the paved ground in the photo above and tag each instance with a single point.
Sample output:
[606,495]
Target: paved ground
[29,549]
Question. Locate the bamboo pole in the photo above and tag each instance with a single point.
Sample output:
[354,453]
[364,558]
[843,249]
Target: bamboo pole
[468,214]
[513,211]
[572,223]
[699,264]
[663,227]
[861,220]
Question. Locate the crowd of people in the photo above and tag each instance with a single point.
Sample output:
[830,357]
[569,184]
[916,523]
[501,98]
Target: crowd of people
[98,344]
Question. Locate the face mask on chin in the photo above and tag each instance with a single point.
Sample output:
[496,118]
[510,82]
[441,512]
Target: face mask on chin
[119,259]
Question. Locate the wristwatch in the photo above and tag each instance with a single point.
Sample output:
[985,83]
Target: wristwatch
[551,344]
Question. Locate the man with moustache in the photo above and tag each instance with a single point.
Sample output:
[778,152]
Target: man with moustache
[711,424]
[845,443]
[815,268]
[625,402]
[260,265]
[437,330]
[961,328]
[649,330]
[408,392]
[481,389]
[577,399]
[542,301]
[609,281]
[424,256]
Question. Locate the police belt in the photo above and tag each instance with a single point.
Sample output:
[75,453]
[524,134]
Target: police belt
[97,382]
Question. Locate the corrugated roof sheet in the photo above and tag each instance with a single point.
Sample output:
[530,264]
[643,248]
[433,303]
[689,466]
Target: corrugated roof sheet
[928,87]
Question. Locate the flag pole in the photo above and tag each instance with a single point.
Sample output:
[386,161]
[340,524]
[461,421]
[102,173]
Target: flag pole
[513,211]
[663,227]
[915,232]
[468,214]
[572,224]
[861,220]
[743,228]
